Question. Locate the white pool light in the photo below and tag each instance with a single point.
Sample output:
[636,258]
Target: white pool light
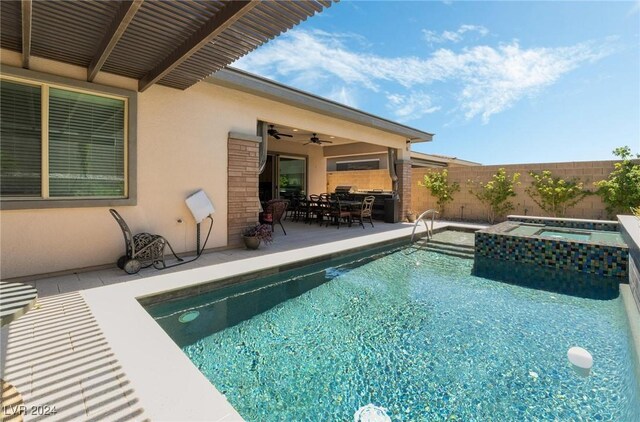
[188,316]
[581,360]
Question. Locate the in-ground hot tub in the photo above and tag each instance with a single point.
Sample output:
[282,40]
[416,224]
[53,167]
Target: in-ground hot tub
[587,246]
[582,235]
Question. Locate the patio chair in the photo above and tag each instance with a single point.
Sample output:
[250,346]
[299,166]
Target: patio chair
[364,211]
[338,213]
[313,206]
[142,250]
[324,209]
[274,211]
[292,209]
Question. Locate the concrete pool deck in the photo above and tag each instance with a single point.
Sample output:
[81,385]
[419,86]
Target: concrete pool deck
[100,354]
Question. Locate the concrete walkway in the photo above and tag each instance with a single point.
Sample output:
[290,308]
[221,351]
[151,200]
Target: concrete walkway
[299,235]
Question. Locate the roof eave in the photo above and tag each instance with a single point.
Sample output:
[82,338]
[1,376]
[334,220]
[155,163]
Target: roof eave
[266,88]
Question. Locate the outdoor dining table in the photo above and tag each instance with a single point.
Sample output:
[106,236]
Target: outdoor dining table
[16,299]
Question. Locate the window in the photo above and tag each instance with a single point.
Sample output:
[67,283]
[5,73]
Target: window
[60,143]
[20,140]
[358,165]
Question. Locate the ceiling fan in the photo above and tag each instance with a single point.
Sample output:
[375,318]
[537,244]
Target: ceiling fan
[274,132]
[315,140]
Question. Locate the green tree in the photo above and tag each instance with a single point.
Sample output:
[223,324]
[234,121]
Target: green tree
[438,184]
[621,190]
[495,193]
[554,194]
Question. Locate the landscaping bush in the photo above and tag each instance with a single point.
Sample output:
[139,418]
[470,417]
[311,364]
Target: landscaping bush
[621,190]
[554,194]
[495,194]
[438,184]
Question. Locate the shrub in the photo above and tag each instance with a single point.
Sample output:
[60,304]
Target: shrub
[553,194]
[438,184]
[495,194]
[621,190]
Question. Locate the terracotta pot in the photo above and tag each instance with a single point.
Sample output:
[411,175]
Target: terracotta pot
[411,218]
[251,242]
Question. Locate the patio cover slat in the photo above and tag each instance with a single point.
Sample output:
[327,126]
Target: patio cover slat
[164,42]
[121,21]
[220,21]
[26,32]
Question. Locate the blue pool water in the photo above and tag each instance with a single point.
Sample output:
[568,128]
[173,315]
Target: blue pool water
[564,235]
[416,333]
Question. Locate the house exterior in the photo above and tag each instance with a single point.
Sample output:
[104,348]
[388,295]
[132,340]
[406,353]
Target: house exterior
[72,148]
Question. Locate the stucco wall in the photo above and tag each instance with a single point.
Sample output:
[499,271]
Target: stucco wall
[590,207]
[182,146]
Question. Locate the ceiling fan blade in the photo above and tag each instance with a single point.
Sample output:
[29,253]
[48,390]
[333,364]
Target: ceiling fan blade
[325,142]
[276,136]
[284,134]
[308,143]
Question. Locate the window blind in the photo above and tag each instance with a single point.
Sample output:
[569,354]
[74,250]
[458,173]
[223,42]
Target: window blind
[20,140]
[86,145]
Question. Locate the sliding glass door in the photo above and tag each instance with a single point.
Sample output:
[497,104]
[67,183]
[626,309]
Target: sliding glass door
[284,176]
[292,176]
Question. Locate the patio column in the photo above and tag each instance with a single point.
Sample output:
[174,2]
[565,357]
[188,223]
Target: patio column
[242,185]
[403,169]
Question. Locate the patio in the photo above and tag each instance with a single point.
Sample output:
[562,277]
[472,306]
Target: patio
[79,352]
[299,235]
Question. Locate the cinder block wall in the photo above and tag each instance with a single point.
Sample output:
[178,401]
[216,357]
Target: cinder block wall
[465,206]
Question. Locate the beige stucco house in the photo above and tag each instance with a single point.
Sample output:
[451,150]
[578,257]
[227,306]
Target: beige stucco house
[78,141]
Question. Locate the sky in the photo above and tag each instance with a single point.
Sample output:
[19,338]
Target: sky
[497,82]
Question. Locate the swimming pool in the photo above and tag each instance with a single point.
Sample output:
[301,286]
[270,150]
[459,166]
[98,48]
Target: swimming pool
[411,331]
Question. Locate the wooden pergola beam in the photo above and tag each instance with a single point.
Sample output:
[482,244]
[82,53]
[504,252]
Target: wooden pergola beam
[26,32]
[119,25]
[226,17]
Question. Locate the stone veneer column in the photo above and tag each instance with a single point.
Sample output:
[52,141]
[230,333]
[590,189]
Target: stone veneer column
[242,185]
[403,170]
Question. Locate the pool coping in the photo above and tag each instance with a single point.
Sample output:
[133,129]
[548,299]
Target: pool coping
[167,383]
[633,318]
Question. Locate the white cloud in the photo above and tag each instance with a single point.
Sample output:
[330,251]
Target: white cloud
[453,36]
[485,80]
[410,107]
[343,95]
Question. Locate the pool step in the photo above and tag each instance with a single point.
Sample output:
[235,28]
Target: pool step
[446,248]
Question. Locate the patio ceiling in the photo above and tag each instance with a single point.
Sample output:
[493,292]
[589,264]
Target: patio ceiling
[301,136]
[172,43]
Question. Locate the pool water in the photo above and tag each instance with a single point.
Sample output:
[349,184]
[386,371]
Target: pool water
[416,333]
[565,235]
[581,235]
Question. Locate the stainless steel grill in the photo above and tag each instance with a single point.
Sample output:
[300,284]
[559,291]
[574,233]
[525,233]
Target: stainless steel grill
[341,190]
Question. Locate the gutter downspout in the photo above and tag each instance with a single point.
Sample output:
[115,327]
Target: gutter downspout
[262,150]
[391,156]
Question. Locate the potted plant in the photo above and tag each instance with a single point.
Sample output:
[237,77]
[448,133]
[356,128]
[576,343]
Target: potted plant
[411,216]
[253,235]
